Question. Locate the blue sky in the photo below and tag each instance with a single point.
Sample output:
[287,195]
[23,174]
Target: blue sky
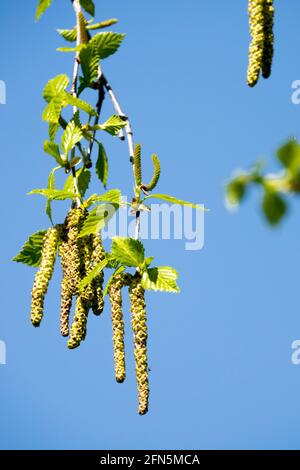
[220,352]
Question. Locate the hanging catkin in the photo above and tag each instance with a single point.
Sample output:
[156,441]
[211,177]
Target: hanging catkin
[268,50]
[44,274]
[256,50]
[115,296]
[139,327]
[71,265]
[98,255]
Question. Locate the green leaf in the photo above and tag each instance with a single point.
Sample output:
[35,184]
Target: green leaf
[274,207]
[113,125]
[289,155]
[68,34]
[113,195]
[92,274]
[89,61]
[236,190]
[102,165]
[32,250]
[83,176]
[52,111]
[88,6]
[55,87]
[51,185]
[118,270]
[174,200]
[98,218]
[70,49]
[162,278]
[53,149]
[128,251]
[53,128]
[80,104]
[43,5]
[54,194]
[71,136]
[107,43]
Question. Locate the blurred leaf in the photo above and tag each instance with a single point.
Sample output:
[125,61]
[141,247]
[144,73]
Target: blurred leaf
[236,190]
[274,207]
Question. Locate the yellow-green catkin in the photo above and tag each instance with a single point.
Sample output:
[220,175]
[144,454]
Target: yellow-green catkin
[256,50]
[44,274]
[98,255]
[139,327]
[71,265]
[269,38]
[115,296]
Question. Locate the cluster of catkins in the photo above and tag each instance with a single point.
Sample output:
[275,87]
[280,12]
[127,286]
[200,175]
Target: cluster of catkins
[261,19]
[78,256]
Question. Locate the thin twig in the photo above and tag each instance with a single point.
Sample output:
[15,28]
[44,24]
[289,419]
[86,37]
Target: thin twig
[101,96]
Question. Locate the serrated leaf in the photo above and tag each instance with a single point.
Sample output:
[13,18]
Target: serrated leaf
[118,270]
[102,165]
[53,128]
[80,104]
[43,5]
[53,110]
[32,250]
[54,194]
[83,176]
[55,87]
[88,6]
[107,43]
[52,149]
[113,125]
[89,61]
[92,274]
[174,200]
[128,251]
[68,34]
[71,136]
[162,278]
[98,218]
[113,195]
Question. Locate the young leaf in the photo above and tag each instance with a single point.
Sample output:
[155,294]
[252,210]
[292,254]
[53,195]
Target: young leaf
[107,43]
[89,61]
[117,271]
[51,185]
[32,250]
[54,194]
[113,196]
[52,111]
[127,251]
[113,125]
[174,200]
[53,149]
[53,128]
[83,176]
[92,274]
[88,6]
[162,278]
[98,218]
[68,34]
[102,165]
[80,104]
[55,87]
[43,5]
[72,134]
